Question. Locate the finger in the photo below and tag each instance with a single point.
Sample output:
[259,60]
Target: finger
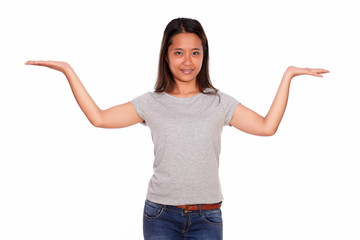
[316,75]
[320,70]
[31,62]
[319,75]
[314,72]
[39,63]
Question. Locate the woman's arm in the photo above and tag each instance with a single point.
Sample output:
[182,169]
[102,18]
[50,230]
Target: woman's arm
[116,117]
[249,121]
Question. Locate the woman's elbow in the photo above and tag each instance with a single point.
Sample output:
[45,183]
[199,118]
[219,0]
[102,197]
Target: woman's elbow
[269,132]
[97,123]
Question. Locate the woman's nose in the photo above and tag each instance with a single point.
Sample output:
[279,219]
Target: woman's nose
[187,60]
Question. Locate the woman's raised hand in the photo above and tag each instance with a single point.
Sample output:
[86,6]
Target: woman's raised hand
[249,121]
[59,66]
[119,116]
[295,71]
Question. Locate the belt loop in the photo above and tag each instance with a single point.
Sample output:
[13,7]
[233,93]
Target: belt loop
[200,208]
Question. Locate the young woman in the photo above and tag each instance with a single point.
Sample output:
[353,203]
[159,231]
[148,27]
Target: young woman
[186,115]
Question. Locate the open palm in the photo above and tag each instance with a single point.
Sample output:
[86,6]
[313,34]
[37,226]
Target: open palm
[295,71]
[59,66]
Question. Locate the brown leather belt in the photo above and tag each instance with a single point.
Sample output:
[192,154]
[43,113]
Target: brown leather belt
[197,207]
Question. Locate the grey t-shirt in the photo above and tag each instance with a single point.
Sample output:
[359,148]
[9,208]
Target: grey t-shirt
[186,133]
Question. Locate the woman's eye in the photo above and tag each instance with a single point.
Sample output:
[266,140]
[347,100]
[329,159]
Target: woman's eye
[178,53]
[196,53]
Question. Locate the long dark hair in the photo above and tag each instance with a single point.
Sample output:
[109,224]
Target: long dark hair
[165,81]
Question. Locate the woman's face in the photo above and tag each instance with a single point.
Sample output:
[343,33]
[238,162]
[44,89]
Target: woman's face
[185,56]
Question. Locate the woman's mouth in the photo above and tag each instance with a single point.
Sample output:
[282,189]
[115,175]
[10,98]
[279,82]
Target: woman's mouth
[187,71]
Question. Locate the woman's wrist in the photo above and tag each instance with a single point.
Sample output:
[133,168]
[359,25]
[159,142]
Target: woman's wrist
[290,72]
[288,75]
[67,69]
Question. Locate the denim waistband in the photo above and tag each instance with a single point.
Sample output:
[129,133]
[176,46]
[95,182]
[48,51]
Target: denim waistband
[171,207]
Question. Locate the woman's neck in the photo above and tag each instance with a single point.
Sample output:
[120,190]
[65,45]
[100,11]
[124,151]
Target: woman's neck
[185,90]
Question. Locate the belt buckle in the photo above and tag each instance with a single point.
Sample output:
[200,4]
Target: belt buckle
[187,207]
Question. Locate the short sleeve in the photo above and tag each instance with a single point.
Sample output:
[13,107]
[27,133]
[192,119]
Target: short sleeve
[229,105]
[140,103]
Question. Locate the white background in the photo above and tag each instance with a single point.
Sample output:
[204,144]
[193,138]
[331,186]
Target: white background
[62,178]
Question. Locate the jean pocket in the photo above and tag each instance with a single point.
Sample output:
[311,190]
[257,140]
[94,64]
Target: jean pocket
[212,216]
[152,210]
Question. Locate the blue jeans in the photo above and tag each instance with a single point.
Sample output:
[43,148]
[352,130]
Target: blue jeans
[165,222]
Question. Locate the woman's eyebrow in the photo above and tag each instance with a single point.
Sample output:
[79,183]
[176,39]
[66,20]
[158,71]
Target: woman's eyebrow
[183,49]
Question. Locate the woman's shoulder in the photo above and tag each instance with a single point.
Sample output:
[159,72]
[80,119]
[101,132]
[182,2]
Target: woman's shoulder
[227,98]
[149,96]
[215,92]
[222,93]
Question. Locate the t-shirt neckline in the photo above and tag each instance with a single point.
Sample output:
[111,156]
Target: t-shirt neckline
[184,98]
[180,98]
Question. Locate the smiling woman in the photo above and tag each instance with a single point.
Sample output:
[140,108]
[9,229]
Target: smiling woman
[184,52]
[186,115]
[185,57]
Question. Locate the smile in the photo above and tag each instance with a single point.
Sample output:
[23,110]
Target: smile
[187,71]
